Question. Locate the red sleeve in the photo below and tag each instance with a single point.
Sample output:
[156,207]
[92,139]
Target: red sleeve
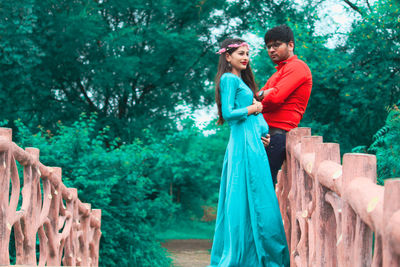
[266,86]
[292,77]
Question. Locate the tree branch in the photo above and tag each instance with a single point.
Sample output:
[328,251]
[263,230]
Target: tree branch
[206,50]
[369,6]
[353,6]
[83,91]
[147,89]
[122,103]
[106,101]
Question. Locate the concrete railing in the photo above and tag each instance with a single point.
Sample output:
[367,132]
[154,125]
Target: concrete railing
[331,211]
[46,210]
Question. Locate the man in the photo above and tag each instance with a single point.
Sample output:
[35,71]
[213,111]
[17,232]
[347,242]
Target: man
[285,95]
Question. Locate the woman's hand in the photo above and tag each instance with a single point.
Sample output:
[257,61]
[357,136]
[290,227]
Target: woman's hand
[255,108]
[259,107]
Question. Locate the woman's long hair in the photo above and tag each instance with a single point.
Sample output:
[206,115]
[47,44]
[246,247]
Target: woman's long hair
[223,67]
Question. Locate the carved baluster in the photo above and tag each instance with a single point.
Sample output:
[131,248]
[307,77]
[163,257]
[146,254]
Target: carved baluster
[356,246]
[51,226]
[326,217]
[65,220]
[10,216]
[44,201]
[282,192]
[294,138]
[332,228]
[377,260]
[78,232]
[5,216]
[283,187]
[83,234]
[305,183]
[69,250]
[94,244]
[26,230]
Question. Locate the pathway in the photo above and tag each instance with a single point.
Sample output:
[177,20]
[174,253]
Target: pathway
[189,252]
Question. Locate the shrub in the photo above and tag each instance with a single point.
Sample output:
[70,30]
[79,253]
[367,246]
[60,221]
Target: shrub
[386,147]
[112,177]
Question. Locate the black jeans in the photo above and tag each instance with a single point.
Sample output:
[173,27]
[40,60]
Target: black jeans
[276,152]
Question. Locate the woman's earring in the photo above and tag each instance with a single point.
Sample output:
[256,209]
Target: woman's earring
[229,65]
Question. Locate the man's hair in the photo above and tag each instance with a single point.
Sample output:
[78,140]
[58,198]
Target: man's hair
[279,33]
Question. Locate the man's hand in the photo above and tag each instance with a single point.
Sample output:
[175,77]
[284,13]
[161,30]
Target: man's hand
[266,140]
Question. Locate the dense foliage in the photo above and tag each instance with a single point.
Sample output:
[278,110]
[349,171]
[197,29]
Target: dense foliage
[130,61]
[386,147]
[134,62]
[111,178]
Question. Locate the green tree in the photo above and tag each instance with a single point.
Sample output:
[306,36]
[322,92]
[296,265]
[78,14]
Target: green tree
[132,62]
[20,56]
[191,162]
[354,82]
[371,74]
[386,147]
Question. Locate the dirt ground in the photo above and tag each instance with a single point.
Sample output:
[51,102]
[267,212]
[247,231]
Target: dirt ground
[189,252]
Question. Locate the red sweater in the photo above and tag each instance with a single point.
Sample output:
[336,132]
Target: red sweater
[285,104]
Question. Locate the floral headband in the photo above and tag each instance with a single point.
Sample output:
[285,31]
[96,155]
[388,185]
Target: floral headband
[223,50]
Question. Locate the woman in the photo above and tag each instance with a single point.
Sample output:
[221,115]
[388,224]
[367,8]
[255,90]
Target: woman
[249,230]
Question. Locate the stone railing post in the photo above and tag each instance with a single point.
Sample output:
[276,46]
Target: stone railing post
[306,197]
[356,245]
[26,229]
[391,224]
[326,219]
[52,225]
[293,170]
[95,233]
[71,241]
[7,215]
[83,236]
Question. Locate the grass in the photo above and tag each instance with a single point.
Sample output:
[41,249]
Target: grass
[185,228]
